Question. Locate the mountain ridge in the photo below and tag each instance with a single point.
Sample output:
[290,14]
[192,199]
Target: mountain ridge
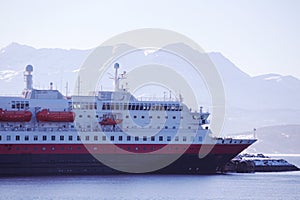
[250,101]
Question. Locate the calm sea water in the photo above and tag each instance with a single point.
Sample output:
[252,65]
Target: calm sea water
[283,185]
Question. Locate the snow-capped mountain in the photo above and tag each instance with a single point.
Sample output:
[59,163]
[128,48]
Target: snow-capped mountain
[266,100]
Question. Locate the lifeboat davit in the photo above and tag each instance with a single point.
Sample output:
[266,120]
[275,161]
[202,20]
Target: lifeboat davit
[110,121]
[15,116]
[55,116]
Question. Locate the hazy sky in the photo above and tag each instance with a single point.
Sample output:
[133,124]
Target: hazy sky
[259,36]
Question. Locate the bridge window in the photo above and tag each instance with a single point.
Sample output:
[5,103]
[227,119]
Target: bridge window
[61,137]
[17,137]
[70,137]
[176,138]
[136,138]
[95,138]
[26,137]
[53,137]
[144,138]
[87,138]
[128,137]
[103,138]
[200,138]
[120,138]
[112,138]
[160,138]
[152,138]
[35,138]
[168,138]
[44,137]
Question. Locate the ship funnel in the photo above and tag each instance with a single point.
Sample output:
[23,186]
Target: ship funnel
[28,77]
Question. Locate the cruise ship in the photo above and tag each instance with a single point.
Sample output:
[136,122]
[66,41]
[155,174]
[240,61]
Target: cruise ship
[109,132]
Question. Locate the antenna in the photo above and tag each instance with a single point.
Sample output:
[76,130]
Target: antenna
[67,88]
[28,77]
[78,85]
[116,78]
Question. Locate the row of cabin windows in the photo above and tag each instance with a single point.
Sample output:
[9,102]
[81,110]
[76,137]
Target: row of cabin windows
[84,105]
[141,106]
[19,104]
[150,117]
[105,138]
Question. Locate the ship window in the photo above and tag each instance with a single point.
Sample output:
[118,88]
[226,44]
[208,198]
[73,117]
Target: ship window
[17,137]
[70,137]
[174,127]
[95,137]
[192,138]
[127,116]
[120,138]
[61,137]
[152,138]
[166,117]
[174,117]
[87,137]
[176,138]
[150,117]
[136,138]
[166,127]
[112,106]
[78,138]
[184,138]
[158,117]
[144,138]
[97,116]
[112,138]
[26,137]
[103,138]
[160,138]
[53,137]
[158,127]
[89,116]
[35,138]
[143,117]
[128,138]
[44,137]
[125,106]
[189,127]
[168,138]
[80,116]
[117,106]
[200,139]
[134,116]
[0,137]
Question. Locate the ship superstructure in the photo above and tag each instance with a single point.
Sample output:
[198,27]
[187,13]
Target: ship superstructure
[45,132]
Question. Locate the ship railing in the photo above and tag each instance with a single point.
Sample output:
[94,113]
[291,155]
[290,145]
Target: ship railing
[173,99]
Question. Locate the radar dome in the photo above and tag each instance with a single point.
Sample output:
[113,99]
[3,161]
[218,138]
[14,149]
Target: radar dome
[29,68]
[116,66]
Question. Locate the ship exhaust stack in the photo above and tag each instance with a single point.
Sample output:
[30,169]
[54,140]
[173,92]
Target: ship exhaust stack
[28,77]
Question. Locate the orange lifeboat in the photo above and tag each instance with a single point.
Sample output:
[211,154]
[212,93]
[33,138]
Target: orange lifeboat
[15,116]
[110,121]
[55,116]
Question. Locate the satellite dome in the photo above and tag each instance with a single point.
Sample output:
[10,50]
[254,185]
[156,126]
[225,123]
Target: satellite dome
[29,68]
